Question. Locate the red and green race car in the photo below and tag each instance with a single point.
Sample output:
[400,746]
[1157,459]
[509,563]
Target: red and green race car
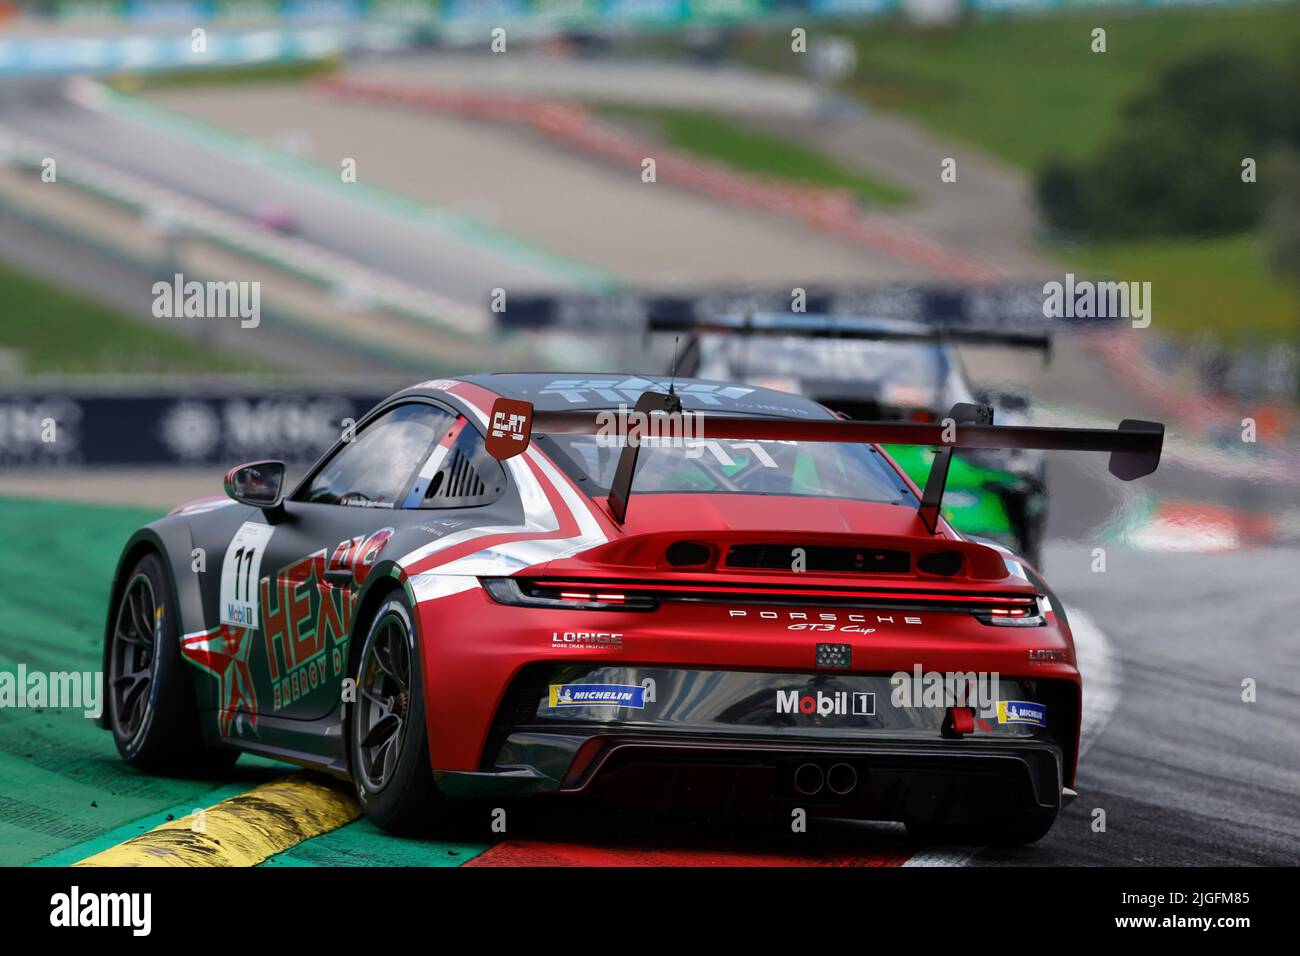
[544,585]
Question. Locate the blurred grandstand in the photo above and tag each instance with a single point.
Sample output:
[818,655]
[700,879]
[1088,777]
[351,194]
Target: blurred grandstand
[144,140]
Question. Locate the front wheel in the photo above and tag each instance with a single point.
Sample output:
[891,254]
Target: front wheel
[388,738]
[151,706]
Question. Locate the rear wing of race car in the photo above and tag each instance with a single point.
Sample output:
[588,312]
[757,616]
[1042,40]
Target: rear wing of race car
[1134,446]
[1005,314]
[855,327]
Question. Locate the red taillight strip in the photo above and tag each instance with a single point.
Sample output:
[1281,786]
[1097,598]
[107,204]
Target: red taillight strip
[666,593]
[605,597]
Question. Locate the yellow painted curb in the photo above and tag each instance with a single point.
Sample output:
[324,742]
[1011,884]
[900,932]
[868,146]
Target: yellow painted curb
[243,830]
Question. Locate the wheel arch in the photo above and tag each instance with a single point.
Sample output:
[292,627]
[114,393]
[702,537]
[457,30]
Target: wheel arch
[164,538]
[383,582]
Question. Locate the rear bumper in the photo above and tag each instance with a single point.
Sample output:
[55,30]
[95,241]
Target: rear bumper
[485,676]
[952,781]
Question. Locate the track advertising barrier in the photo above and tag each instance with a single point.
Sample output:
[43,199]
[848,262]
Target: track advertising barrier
[139,52]
[248,32]
[577,13]
[224,422]
[72,427]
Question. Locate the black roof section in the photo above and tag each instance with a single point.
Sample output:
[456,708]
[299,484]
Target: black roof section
[575,391]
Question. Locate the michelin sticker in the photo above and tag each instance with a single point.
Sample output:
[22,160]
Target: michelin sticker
[240,572]
[598,695]
[1022,712]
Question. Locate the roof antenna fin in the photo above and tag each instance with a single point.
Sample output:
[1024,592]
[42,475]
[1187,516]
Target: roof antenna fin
[674,402]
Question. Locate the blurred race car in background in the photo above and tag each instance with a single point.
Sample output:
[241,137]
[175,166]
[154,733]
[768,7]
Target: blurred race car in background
[886,353]
[274,217]
[891,370]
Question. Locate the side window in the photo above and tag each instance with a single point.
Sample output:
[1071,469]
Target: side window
[374,469]
[459,473]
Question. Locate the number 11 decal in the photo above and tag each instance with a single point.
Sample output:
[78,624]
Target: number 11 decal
[240,573]
[244,572]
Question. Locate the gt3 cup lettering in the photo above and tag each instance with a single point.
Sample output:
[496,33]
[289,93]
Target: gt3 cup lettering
[845,629]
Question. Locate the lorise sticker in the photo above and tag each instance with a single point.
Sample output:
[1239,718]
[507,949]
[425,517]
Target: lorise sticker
[597,695]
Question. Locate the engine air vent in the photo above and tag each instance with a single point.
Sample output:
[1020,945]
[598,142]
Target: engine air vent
[688,554]
[945,563]
[818,558]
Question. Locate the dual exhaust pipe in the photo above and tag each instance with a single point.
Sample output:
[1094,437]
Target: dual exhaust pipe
[840,779]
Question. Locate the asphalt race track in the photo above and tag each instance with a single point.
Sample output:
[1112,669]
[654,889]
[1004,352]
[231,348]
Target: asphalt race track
[466,272]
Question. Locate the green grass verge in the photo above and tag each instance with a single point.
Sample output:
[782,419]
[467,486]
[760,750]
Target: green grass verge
[723,140]
[64,784]
[225,76]
[1029,88]
[60,332]
[66,794]
[1220,284]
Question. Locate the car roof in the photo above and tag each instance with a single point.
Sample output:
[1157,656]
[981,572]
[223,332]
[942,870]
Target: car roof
[820,321]
[567,391]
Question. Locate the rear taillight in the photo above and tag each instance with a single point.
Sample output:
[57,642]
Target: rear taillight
[1014,615]
[526,594]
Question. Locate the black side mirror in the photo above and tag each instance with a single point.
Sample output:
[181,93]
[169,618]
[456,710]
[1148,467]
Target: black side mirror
[258,483]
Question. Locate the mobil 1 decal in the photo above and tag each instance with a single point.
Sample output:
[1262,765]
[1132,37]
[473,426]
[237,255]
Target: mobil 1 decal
[307,620]
[240,572]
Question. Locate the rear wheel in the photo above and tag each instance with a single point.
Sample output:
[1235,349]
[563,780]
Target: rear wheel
[151,705]
[388,737]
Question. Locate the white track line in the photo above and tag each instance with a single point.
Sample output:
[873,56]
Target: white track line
[1100,669]
[943,856]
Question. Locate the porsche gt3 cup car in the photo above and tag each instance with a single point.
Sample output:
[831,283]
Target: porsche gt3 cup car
[521,585]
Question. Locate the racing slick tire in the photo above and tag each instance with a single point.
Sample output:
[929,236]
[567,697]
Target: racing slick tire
[151,707]
[388,739]
[1000,833]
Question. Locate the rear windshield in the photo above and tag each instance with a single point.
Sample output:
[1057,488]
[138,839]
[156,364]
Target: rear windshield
[734,466]
[918,365]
